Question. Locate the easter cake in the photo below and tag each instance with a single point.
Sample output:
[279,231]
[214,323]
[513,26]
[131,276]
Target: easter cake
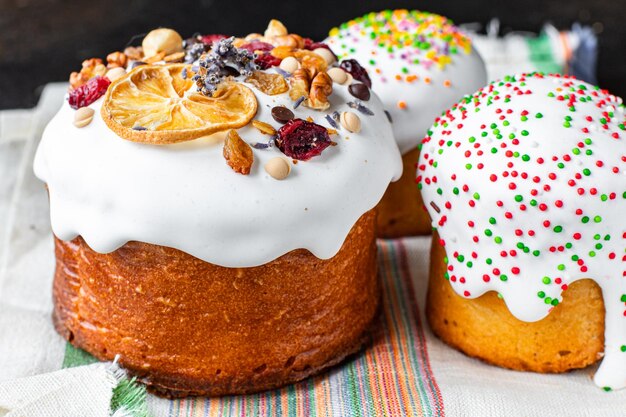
[419,64]
[213,206]
[525,184]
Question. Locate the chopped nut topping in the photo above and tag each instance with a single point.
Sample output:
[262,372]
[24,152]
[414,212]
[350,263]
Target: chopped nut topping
[237,153]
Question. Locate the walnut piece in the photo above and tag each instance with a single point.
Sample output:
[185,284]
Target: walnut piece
[321,88]
[237,153]
[116,59]
[90,68]
[300,84]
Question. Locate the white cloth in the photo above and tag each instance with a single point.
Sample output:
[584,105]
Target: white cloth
[29,345]
[73,392]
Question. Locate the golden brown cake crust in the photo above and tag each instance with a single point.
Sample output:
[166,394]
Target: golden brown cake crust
[401,210]
[188,327]
[570,337]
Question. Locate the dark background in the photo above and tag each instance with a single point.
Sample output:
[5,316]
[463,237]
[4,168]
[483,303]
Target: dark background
[44,40]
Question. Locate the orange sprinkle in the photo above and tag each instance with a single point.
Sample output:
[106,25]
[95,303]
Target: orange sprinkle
[378,71]
[402,104]
[447,83]
[427,80]
[411,78]
[399,77]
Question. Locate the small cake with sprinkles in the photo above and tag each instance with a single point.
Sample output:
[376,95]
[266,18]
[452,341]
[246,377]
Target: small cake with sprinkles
[419,64]
[525,182]
[213,203]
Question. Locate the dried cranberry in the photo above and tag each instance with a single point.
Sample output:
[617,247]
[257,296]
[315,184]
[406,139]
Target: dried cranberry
[211,39]
[266,61]
[357,71]
[308,42]
[299,139]
[257,46]
[88,93]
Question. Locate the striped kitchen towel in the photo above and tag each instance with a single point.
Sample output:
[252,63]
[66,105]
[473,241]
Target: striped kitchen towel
[392,377]
[405,371]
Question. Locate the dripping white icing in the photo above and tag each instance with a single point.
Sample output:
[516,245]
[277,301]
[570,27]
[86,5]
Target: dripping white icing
[445,71]
[539,163]
[110,191]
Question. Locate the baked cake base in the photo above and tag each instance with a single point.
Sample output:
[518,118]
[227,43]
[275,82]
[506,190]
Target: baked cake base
[188,327]
[570,337]
[401,210]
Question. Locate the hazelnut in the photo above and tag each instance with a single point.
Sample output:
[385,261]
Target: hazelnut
[328,56]
[83,116]
[350,121]
[163,40]
[278,168]
[289,64]
[275,28]
[338,75]
[115,73]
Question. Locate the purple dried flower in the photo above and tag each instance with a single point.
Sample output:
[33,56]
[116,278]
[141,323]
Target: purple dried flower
[361,108]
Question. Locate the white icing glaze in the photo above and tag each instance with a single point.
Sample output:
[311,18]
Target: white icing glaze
[573,218]
[110,191]
[436,88]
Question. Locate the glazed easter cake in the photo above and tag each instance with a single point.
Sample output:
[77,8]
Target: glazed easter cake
[420,64]
[213,205]
[525,184]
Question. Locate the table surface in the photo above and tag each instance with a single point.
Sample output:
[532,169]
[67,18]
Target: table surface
[44,40]
[408,372]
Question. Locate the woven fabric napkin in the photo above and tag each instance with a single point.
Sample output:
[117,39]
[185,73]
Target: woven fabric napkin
[406,371]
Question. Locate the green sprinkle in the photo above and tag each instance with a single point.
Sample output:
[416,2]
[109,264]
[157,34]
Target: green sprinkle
[524,132]
[546,280]
[558,229]
[492,220]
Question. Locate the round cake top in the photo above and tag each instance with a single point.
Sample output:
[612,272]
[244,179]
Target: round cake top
[234,150]
[525,182]
[420,64]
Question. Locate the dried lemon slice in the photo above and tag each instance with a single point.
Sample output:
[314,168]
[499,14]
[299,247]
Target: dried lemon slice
[155,104]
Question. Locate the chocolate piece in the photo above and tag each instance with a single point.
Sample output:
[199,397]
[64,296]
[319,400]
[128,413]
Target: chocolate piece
[360,91]
[282,114]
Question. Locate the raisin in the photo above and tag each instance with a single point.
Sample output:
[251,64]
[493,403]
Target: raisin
[357,71]
[302,140]
[237,153]
[88,93]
